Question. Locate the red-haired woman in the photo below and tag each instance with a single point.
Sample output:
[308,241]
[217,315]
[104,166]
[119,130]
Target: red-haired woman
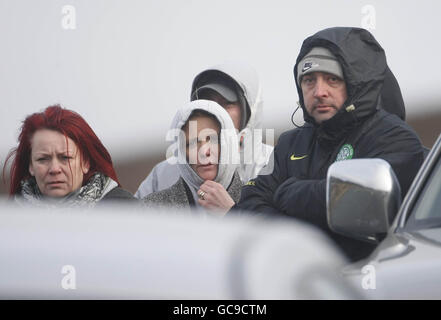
[60,159]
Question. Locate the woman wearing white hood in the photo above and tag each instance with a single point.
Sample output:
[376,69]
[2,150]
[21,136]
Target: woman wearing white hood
[207,157]
[236,87]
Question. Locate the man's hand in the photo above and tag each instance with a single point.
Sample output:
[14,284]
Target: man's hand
[215,197]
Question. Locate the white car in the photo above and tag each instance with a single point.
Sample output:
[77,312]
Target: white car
[127,253]
[407,262]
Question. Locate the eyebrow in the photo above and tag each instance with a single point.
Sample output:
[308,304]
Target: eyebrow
[45,153]
[40,154]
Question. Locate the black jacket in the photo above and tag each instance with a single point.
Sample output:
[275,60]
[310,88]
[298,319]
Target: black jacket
[297,185]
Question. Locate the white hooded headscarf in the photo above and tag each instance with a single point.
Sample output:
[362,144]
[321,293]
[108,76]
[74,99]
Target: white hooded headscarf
[229,157]
[254,153]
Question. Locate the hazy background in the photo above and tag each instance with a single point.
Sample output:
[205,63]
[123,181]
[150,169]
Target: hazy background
[128,65]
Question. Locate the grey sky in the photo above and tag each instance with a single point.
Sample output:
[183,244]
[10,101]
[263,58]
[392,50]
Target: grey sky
[129,64]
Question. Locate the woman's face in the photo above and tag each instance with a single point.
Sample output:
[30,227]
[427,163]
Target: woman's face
[55,164]
[202,136]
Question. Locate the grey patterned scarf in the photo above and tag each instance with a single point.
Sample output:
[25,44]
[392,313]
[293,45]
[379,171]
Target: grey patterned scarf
[88,195]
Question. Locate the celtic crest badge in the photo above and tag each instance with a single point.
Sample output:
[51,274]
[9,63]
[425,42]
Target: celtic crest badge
[346,152]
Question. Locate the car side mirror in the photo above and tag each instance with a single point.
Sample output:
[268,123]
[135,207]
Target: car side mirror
[362,198]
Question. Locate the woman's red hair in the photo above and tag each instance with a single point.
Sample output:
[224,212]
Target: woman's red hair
[68,123]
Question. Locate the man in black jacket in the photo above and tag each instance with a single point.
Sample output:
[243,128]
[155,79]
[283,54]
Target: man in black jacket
[339,75]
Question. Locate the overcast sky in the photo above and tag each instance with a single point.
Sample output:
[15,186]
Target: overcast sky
[128,65]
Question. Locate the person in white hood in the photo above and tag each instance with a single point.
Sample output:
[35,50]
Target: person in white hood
[207,159]
[235,86]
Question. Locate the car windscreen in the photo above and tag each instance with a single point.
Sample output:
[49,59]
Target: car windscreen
[426,213]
